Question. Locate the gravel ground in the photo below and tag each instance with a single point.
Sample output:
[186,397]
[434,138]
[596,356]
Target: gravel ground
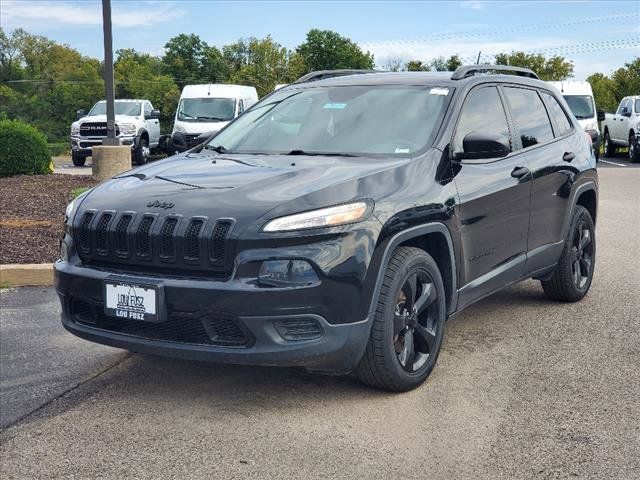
[524,388]
[32,215]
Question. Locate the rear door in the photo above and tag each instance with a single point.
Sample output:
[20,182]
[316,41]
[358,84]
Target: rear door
[549,148]
[153,124]
[494,201]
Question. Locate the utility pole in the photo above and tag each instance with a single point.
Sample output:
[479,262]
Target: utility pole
[108,75]
[478,60]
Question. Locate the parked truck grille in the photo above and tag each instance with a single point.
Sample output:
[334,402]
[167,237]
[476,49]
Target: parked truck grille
[138,241]
[199,328]
[95,129]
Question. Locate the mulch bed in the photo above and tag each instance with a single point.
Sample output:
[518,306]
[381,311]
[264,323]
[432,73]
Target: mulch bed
[32,215]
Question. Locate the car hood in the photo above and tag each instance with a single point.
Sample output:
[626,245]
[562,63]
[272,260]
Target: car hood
[196,128]
[244,187]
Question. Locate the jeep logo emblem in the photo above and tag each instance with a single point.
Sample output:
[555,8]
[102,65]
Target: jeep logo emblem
[157,204]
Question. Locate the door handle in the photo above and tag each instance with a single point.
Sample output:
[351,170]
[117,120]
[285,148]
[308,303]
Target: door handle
[520,172]
[568,156]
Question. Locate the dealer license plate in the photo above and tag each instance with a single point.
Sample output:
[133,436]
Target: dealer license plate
[130,301]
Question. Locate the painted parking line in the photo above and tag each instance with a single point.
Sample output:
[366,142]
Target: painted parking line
[613,163]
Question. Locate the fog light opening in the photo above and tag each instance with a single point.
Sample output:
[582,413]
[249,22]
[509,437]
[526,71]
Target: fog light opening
[286,273]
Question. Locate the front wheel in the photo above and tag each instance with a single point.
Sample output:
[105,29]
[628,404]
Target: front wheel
[408,326]
[573,274]
[141,153]
[609,148]
[634,154]
[78,160]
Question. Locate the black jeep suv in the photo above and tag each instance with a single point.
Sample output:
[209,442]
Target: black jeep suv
[337,224]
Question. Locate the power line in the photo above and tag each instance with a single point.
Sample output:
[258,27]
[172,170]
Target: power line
[505,30]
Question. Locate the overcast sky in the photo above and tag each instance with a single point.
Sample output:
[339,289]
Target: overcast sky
[597,36]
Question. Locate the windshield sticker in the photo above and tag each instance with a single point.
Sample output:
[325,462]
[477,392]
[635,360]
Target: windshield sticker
[403,150]
[439,91]
[334,106]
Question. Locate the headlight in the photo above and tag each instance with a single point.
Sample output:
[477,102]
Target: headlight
[72,207]
[179,129]
[75,130]
[127,129]
[591,126]
[324,217]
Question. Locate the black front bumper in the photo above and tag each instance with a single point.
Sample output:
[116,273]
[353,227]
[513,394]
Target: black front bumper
[281,327]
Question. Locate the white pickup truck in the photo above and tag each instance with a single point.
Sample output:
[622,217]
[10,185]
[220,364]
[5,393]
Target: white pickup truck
[137,125]
[622,129]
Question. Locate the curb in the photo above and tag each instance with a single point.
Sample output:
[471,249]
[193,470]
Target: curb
[28,274]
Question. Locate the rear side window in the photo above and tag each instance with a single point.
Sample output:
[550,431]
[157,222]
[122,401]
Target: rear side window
[482,112]
[530,116]
[557,114]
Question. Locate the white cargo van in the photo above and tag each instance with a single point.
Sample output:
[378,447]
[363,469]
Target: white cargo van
[205,109]
[579,97]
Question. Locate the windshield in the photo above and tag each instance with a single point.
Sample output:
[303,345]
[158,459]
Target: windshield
[355,120]
[637,109]
[122,108]
[206,109]
[580,105]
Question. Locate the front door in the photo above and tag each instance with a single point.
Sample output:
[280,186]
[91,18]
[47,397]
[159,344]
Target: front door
[494,202]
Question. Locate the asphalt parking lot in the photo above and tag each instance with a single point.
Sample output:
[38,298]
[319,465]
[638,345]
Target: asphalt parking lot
[524,388]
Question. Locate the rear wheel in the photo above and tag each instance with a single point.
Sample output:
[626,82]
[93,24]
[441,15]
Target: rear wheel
[78,160]
[408,326]
[609,148]
[573,275]
[634,154]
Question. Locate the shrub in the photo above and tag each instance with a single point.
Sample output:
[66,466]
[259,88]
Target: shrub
[23,150]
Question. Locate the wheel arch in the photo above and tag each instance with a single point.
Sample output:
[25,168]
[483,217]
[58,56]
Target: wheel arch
[433,238]
[142,133]
[585,195]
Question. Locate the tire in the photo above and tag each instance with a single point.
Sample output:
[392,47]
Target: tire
[609,148]
[412,283]
[141,152]
[78,160]
[634,153]
[574,273]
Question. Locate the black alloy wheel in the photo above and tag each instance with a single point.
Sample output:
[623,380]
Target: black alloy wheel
[582,255]
[414,321]
[408,325]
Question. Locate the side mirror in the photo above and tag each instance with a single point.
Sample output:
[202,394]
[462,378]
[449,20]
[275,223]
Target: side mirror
[179,142]
[601,115]
[80,113]
[479,145]
[153,114]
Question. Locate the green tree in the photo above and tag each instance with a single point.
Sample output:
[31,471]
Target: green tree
[184,58]
[416,66]
[627,79]
[140,76]
[327,50]
[453,62]
[260,63]
[603,92]
[555,68]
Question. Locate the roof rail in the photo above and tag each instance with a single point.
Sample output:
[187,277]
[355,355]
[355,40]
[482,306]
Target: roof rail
[322,74]
[471,70]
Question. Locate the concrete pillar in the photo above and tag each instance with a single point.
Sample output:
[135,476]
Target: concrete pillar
[108,161]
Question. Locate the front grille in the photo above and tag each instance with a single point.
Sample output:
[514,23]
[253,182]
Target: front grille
[191,139]
[130,240]
[95,129]
[214,328]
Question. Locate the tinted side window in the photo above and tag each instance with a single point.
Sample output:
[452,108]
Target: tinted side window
[530,116]
[147,108]
[557,113]
[482,112]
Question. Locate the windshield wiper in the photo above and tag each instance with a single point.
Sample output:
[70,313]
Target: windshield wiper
[297,151]
[217,148]
[182,114]
[204,117]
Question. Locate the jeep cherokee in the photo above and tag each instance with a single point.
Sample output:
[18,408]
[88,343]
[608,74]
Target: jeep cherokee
[337,224]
